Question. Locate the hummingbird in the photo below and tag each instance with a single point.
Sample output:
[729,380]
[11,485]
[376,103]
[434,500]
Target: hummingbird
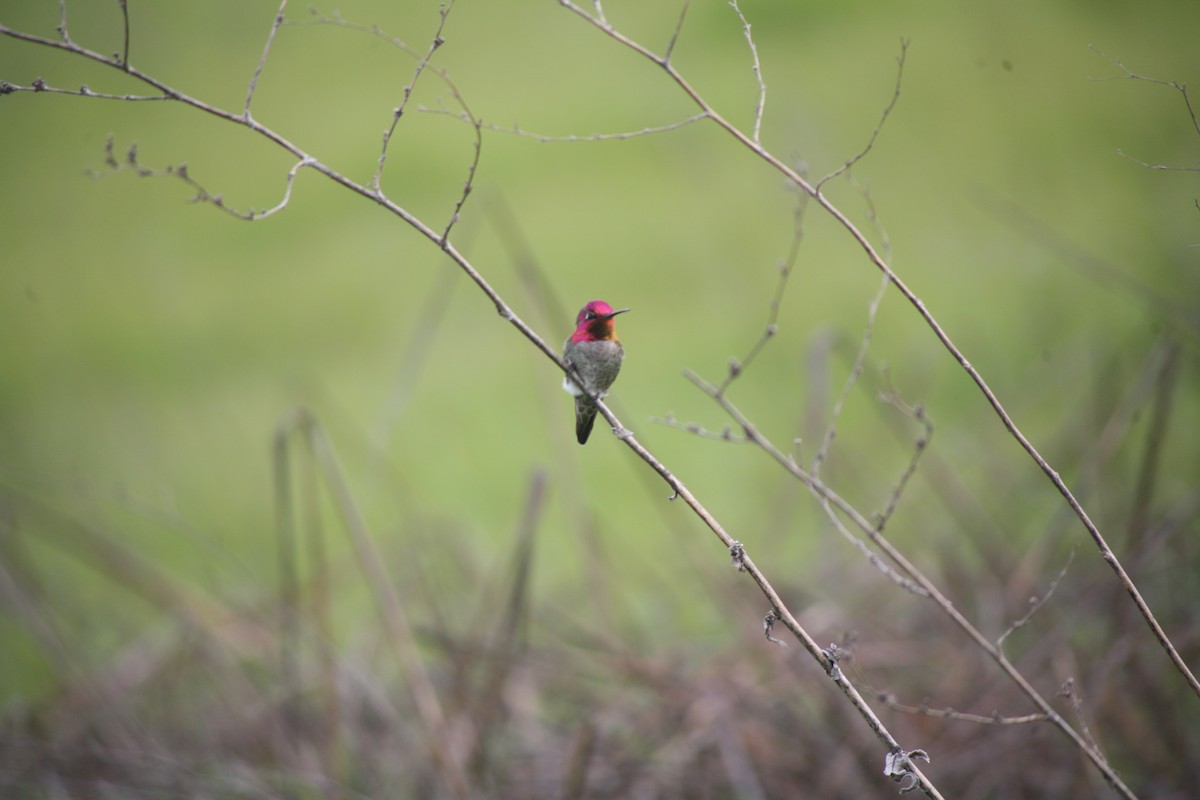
[596,353]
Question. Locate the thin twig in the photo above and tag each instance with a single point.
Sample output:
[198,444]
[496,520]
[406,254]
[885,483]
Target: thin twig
[423,65]
[434,43]
[851,379]
[726,433]
[1157,167]
[599,11]
[1068,691]
[868,331]
[202,195]
[40,85]
[1036,603]
[516,130]
[262,61]
[1133,76]
[675,33]
[469,183]
[62,21]
[917,413]
[887,112]
[737,367]
[337,21]
[761,105]
[949,713]
[1187,102]
[125,17]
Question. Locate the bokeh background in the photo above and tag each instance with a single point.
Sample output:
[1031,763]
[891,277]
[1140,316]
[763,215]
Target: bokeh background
[151,347]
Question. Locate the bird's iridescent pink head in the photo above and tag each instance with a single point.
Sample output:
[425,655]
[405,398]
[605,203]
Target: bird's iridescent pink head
[595,322]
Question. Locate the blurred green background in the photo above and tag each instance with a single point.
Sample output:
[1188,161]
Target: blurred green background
[150,346]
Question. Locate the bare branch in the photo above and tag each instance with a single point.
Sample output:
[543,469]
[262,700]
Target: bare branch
[865,344]
[337,21]
[925,710]
[262,61]
[434,43]
[1157,167]
[202,194]
[1187,102]
[907,584]
[1133,76]
[1068,691]
[1036,603]
[678,28]
[586,137]
[761,105]
[892,397]
[738,367]
[887,112]
[599,11]
[423,65]
[726,433]
[62,21]
[83,91]
[855,371]
[125,18]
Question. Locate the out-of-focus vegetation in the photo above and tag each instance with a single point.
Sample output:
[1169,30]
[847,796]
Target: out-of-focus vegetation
[151,347]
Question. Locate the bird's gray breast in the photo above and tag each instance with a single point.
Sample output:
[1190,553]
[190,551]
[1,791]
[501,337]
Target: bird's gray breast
[597,362]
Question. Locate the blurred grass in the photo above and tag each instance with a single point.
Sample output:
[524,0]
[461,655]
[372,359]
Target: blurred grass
[150,346]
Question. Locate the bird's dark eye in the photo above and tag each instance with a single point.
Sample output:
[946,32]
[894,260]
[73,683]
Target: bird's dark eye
[590,315]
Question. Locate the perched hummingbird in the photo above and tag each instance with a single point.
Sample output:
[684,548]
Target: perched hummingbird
[596,353]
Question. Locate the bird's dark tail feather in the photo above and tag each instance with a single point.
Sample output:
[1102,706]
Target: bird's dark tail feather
[585,418]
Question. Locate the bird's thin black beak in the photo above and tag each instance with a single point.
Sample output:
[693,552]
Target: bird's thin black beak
[618,311]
